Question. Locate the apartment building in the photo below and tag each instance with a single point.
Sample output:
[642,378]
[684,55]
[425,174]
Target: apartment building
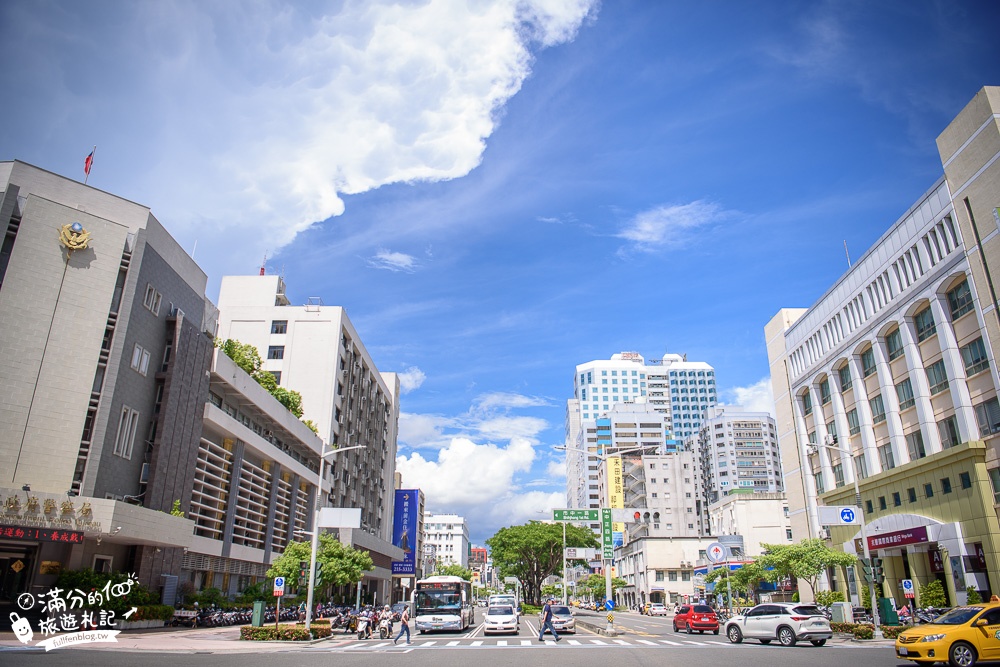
[447,535]
[737,450]
[890,379]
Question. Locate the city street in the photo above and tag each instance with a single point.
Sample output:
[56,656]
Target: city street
[645,641]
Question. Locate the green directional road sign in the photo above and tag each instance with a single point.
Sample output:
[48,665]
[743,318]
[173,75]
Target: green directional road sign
[607,536]
[576,515]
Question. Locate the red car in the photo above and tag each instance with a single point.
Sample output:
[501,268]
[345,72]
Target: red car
[698,617]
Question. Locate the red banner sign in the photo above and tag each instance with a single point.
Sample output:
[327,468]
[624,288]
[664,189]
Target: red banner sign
[898,538]
[41,534]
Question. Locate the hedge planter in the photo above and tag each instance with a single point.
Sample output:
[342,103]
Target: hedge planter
[284,633]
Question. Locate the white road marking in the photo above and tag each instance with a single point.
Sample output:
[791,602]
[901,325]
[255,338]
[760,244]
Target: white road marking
[669,643]
[646,642]
[430,643]
[477,643]
[622,642]
[574,642]
[598,642]
[502,642]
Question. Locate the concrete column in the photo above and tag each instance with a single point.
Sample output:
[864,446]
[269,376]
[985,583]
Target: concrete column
[921,389]
[272,507]
[843,427]
[806,467]
[968,427]
[949,576]
[890,402]
[826,466]
[239,448]
[864,416]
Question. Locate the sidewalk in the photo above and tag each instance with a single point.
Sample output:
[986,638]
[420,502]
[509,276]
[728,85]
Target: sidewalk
[182,640]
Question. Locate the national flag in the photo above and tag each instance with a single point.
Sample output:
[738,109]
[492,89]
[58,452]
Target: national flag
[88,163]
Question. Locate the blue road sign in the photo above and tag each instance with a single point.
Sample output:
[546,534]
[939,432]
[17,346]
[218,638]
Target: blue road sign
[609,604]
[847,515]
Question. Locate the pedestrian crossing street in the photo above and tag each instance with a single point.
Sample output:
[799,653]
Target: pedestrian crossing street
[422,642]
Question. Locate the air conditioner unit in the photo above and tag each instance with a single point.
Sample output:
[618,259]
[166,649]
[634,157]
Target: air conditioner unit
[829,439]
[824,533]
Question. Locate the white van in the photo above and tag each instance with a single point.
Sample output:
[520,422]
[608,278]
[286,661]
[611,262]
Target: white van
[505,599]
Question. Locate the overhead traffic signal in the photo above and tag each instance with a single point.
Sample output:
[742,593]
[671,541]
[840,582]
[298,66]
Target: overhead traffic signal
[866,568]
[303,569]
[878,571]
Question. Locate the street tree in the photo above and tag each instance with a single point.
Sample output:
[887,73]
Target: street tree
[805,560]
[596,584]
[533,551]
[341,565]
[743,581]
[454,570]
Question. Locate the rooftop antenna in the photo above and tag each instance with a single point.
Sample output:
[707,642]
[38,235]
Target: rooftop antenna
[263,263]
[847,253]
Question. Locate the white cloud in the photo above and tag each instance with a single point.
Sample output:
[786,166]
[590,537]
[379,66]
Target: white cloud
[393,261]
[670,225]
[495,400]
[423,430]
[296,108]
[756,397]
[411,379]
[556,468]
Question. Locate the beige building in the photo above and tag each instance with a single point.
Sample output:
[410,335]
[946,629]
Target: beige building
[759,518]
[891,379]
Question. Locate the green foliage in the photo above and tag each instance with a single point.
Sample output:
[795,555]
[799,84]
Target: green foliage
[744,580]
[312,425]
[289,633]
[806,560]
[248,358]
[864,631]
[87,580]
[176,509]
[595,584]
[932,594]
[153,612]
[254,592]
[454,570]
[866,597]
[210,597]
[795,597]
[827,598]
[342,565]
[973,596]
[533,551]
[892,631]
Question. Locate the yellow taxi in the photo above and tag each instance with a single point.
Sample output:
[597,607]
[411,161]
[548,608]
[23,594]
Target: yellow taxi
[960,637]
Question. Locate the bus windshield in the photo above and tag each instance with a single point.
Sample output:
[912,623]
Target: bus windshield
[431,601]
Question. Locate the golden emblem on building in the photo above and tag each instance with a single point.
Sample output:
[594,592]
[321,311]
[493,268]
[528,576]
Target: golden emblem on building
[74,236]
[86,510]
[13,504]
[67,507]
[32,505]
[49,505]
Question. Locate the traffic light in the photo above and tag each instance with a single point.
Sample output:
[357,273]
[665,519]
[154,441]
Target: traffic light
[878,571]
[319,568]
[866,568]
[303,569]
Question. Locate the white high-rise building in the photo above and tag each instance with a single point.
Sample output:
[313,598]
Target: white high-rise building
[448,535]
[682,390]
[738,449]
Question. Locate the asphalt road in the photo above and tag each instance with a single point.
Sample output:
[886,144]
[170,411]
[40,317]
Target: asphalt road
[646,642]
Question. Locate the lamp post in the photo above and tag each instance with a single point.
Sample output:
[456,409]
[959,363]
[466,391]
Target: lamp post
[864,539]
[315,531]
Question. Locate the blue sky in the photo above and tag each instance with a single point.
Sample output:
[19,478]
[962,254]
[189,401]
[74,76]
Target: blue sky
[498,191]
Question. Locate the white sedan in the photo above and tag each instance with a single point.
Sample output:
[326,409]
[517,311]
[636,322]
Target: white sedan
[786,622]
[500,619]
[657,609]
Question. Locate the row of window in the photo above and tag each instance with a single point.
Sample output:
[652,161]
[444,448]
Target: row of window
[964,481]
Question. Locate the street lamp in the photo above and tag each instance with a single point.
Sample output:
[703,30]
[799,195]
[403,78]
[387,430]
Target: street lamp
[609,564]
[315,531]
[813,449]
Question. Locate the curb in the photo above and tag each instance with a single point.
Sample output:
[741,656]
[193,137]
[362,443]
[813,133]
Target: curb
[597,629]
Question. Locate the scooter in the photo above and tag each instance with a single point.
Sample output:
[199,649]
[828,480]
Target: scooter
[385,628]
[363,632]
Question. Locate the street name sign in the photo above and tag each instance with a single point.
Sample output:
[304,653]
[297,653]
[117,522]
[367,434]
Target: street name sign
[607,534]
[579,552]
[576,515]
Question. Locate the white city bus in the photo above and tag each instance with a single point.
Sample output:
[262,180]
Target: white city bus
[443,603]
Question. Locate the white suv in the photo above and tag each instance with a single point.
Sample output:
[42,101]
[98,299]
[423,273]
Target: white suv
[786,622]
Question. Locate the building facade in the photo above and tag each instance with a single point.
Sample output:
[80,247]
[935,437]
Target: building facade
[314,349]
[738,449]
[448,536]
[757,517]
[890,379]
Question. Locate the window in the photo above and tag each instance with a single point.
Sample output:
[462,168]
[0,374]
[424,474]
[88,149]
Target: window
[788,533]
[819,483]
[894,344]
[276,352]
[974,357]
[102,564]
[824,391]
[915,445]
[140,359]
[807,404]
[988,416]
[881,503]
[845,377]
[852,421]
[929,490]
[672,575]
[960,300]
[869,508]
[126,432]
[924,324]
[867,362]
[686,574]
[911,494]
[838,474]
[152,300]
[281,326]
[948,428]
[937,377]
[965,480]
[946,485]
[904,391]
[896,500]
[861,466]
[885,457]
[994,474]
[878,409]
[277,376]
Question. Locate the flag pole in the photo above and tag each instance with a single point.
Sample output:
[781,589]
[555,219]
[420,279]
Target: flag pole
[89,164]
